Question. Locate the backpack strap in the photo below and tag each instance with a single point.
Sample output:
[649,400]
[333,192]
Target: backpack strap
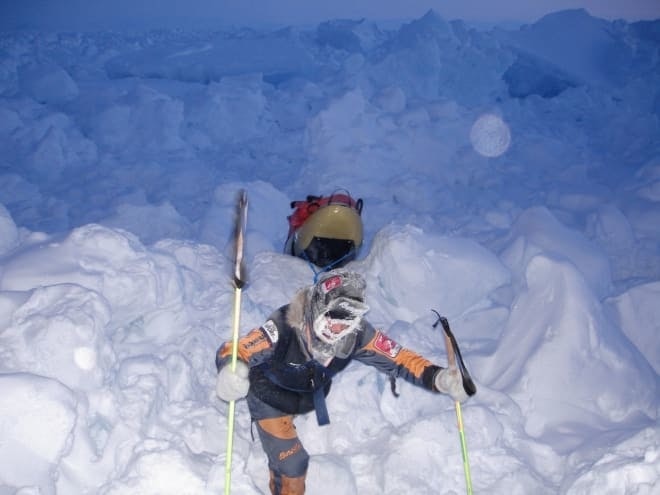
[307,378]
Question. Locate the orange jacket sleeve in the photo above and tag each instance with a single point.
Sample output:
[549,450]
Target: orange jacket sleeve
[253,348]
[378,350]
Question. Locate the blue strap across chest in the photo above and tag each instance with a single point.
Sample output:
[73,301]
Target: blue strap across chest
[309,377]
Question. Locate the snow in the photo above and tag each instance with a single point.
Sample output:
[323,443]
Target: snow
[511,182]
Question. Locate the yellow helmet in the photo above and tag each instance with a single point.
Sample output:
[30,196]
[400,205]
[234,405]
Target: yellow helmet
[331,236]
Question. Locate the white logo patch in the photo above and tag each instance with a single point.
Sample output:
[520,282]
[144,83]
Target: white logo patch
[271,331]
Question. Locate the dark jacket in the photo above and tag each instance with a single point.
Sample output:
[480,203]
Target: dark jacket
[284,376]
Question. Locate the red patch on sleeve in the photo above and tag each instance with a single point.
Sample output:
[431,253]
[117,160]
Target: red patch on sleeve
[331,283]
[386,345]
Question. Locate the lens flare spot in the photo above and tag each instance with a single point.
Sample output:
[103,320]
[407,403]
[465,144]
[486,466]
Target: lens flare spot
[490,136]
[85,358]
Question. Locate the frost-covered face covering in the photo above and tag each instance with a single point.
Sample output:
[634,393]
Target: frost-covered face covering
[337,308]
[342,317]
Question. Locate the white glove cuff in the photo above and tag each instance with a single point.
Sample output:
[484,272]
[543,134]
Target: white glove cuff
[232,385]
[450,382]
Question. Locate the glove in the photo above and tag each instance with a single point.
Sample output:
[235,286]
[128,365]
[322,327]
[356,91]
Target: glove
[450,382]
[232,385]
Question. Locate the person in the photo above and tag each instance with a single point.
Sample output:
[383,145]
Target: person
[285,367]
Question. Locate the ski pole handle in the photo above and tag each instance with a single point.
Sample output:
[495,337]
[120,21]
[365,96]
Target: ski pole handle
[451,354]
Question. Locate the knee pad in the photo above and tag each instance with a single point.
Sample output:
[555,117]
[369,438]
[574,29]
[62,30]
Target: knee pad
[286,455]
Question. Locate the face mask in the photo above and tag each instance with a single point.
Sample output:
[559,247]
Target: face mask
[341,318]
[324,352]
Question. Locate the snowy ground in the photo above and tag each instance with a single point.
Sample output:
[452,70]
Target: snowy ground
[511,181]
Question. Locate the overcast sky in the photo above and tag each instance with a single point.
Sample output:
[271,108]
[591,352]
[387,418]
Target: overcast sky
[94,14]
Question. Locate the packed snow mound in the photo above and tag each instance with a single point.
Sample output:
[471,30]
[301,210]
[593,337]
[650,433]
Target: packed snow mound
[629,467]
[430,26]
[263,235]
[277,56]
[51,335]
[48,83]
[38,419]
[589,50]
[154,222]
[8,231]
[638,315]
[537,230]
[110,262]
[647,31]
[431,59]
[352,36]
[406,293]
[110,323]
[532,76]
[160,471]
[567,351]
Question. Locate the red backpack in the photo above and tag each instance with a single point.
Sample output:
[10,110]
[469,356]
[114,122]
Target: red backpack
[304,208]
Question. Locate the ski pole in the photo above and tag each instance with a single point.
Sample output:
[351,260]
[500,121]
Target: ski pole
[461,433]
[452,352]
[239,282]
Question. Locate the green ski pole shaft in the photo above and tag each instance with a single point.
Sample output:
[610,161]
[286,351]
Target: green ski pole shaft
[239,282]
[232,404]
[461,433]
